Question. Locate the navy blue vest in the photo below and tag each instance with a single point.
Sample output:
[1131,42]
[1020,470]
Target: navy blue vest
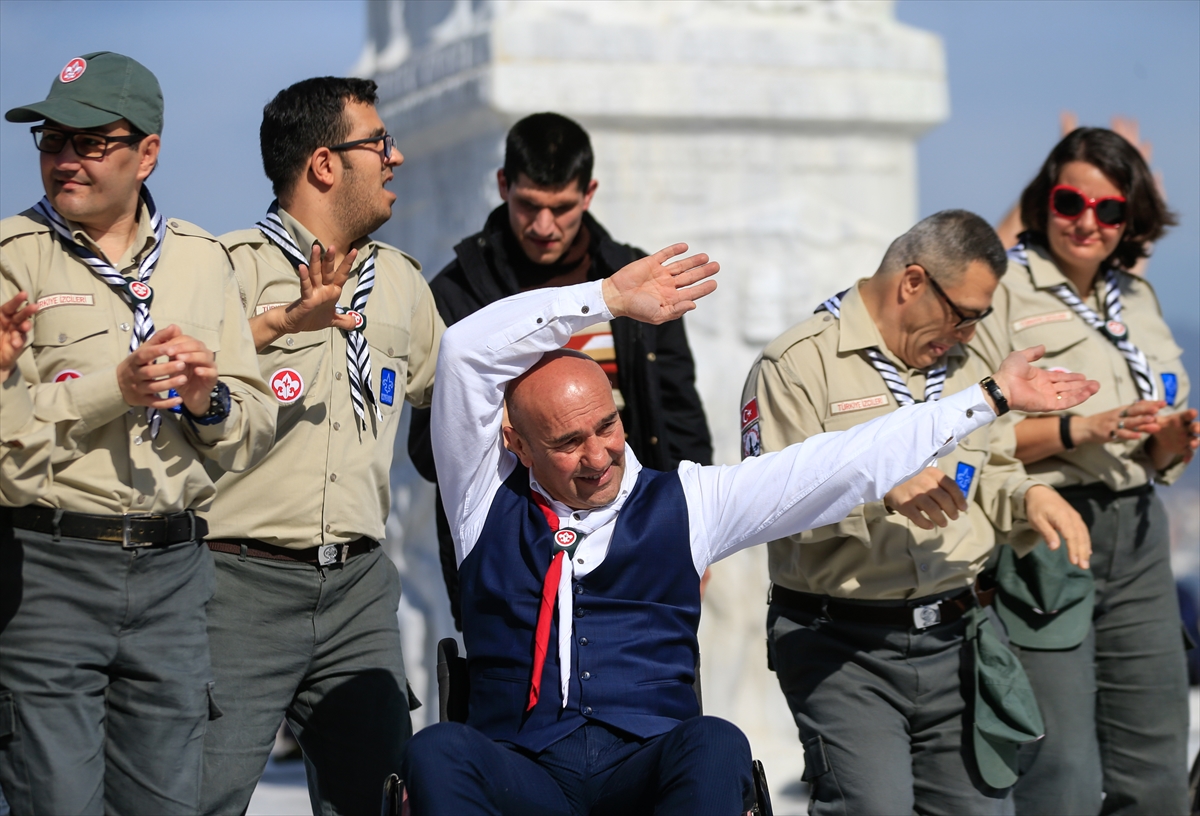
[635,620]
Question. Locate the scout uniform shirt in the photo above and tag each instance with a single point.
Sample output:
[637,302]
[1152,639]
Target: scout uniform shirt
[104,460]
[815,378]
[326,480]
[1028,314]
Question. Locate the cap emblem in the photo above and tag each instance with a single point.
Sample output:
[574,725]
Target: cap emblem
[73,70]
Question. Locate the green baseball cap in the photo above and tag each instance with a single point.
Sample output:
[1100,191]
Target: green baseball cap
[1045,601]
[1006,711]
[98,89]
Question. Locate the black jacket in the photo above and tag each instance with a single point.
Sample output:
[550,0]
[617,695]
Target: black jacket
[663,418]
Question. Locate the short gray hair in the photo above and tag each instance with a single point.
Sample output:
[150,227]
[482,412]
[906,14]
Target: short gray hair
[945,244]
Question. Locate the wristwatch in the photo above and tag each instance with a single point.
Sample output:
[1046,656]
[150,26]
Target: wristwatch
[218,406]
[996,394]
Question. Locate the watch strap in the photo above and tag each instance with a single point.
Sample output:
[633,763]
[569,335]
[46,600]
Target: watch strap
[993,390]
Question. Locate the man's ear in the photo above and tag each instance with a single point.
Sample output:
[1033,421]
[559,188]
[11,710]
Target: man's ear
[502,185]
[148,155]
[320,167]
[589,192]
[516,443]
[912,282]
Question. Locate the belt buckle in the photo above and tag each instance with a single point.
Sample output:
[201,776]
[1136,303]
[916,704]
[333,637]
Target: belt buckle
[329,554]
[928,615]
[126,544]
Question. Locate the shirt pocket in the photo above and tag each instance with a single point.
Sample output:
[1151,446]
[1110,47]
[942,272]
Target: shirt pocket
[389,346]
[291,365]
[70,341]
[1063,341]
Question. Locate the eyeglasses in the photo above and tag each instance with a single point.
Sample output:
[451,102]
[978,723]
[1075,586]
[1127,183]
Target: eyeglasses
[964,321]
[389,142]
[1069,203]
[88,145]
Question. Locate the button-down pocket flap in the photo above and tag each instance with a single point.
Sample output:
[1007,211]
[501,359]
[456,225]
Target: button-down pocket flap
[8,715]
[1056,337]
[300,340]
[816,762]
[390,339]
[62,327]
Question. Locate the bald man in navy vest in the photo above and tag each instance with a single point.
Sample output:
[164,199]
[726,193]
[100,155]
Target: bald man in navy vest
[580,569]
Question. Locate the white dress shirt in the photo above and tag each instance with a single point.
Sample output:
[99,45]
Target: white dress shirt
[730,507]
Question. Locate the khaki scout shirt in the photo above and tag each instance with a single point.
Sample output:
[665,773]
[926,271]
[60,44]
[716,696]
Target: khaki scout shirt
[326,480]
[102,459]
[1028,314]
[814,378]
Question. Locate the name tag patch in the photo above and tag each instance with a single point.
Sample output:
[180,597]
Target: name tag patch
[863,404]
[963,477]
[266,307]
[1042,319]
[751,432]
[1170,387]
[387,386]
[65,299]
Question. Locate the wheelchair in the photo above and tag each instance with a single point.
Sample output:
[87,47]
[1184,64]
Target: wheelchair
[453,693]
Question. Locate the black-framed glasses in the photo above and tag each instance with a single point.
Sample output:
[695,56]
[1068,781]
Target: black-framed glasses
[964,321]
[389,142]
[87,144]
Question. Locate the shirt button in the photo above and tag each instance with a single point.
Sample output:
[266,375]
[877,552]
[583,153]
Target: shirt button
[577,516]
[583,641]
[578,589]
[970,413]
[333,477]
[827,318]
[329,528]
[539,320]
[337,426]
[140,499]
[137,440]
[174,224]
[291,341]
[585,310]
[652,356]
[62,338]
[579,560]
[391,352]
[579,610]
[924,568]
[654,440]
[124,327]
[585,676]
[587,710]
[337,375]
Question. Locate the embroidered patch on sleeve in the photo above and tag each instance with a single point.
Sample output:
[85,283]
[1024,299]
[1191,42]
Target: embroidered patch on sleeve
[387,386]
[1170,387]
[963,477]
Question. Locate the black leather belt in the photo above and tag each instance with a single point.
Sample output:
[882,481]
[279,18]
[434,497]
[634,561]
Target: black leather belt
[1102,492]
[130,531]
[323,555]
[910,614]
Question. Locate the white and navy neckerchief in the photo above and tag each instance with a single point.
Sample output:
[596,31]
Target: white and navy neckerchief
[135,292]
[358,351]
[1110,326]
[935,378]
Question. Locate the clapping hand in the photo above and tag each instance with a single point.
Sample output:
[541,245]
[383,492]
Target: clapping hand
[654,291]
[15,325]
[1038,390]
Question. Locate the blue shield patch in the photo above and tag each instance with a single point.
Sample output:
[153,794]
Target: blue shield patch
[387,386]
[1170,388]
[178,409]
[963,477]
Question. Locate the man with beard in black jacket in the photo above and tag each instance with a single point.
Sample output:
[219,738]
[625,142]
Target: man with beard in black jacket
[542,236]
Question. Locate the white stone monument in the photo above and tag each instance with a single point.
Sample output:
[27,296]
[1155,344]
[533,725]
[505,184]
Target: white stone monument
[776,135]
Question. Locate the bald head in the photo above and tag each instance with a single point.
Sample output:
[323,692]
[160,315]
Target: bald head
[564,426]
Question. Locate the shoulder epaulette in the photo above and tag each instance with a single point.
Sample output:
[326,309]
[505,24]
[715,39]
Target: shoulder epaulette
[181,227]
[822,321]
[17,225]
[389,248]
[243,237]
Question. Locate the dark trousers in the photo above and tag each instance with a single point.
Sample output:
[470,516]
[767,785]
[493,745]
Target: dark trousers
[883,712]
[1115,706]
[104,675]
[700,767]
[321,647]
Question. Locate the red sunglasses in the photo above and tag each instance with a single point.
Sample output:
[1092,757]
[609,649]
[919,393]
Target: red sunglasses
[1069,203]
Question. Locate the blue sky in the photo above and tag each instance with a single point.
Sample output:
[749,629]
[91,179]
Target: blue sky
[1013,65]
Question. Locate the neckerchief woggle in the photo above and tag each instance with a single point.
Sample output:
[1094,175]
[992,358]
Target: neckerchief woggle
[358,351]
[935,378]
[1111,326]
[136,293]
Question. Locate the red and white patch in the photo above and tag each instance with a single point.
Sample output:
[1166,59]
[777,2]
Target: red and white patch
[749,412]
[1060,370]
[1116,328]
[288,385]
[752,441]
[67,374]
[139,290]
[73,70]
[1041,320]
[565,538]
[358,319]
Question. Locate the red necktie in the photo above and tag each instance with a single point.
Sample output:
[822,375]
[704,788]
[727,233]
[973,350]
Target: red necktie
[546,611]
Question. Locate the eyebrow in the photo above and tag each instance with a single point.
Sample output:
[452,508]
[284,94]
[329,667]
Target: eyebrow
[569,436]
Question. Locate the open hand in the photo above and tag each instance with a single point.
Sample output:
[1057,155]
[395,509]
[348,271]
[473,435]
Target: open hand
[15,325]
[927,499]
[321,286]
[654,291]
[1127,422]
[1056,520]
[1178,437]
[1038,390]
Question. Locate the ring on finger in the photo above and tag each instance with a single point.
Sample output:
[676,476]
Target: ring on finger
[1121,425]
[1112,434]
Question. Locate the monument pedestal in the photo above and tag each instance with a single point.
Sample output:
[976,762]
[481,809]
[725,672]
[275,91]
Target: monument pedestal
[776,135]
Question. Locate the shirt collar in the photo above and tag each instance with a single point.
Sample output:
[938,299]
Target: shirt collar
[143,240]
[858,331]
[591,520]
[305,239]
[1042,270]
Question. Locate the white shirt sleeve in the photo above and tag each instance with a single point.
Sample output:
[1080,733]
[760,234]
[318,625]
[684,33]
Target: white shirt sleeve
[478,357]
[818,481]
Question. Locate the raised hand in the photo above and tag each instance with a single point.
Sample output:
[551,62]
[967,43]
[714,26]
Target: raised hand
[927,499]
[142,380]
[654,291]
[15,325]
[1056,521]
[321,286]
[1038,390]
